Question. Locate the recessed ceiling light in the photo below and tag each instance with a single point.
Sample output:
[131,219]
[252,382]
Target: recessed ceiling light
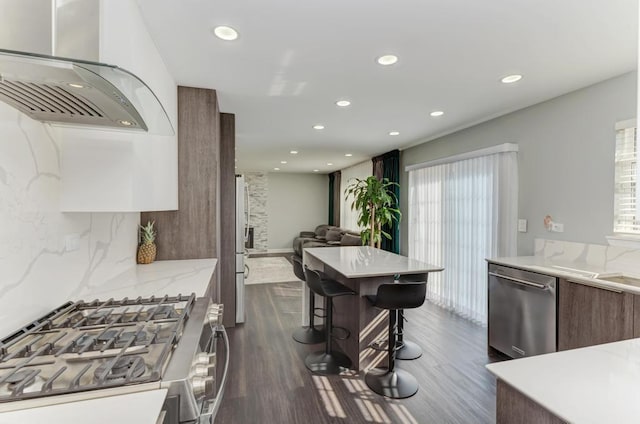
[283,162]
[225,33]
[348,155]
[437,113]
[276,169]
[329,164]
[75,85]
[343,103]
[394,132]
[294,152]
[316,170]
[387,59]
[511,78]
[125,123]
[318,127]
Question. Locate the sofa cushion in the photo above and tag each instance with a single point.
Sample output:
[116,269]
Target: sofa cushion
[321,230]
[350,240]
[334,234]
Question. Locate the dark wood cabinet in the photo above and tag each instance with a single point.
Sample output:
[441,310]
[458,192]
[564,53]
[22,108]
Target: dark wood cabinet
[514,407]
[204,224]
[590,315]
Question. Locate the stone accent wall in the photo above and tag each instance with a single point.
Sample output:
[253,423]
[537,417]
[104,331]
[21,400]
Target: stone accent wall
[259,220]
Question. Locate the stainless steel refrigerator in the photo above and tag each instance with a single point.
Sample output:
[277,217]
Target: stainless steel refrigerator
[242,226]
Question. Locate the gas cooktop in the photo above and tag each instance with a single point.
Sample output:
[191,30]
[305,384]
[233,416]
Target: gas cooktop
[87,346]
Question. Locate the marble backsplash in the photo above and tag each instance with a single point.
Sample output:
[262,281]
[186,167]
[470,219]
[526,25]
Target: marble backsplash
[47,256]
[611,258]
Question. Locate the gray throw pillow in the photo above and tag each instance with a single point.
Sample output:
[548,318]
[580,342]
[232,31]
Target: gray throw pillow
[350,240]
[334,235]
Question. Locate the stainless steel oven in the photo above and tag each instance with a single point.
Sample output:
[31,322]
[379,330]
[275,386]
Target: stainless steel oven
[522,311]
[194,381]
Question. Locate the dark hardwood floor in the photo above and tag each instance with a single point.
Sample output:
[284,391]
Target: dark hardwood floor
[268,382]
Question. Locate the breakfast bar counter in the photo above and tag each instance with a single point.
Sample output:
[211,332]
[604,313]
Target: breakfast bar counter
[362,269]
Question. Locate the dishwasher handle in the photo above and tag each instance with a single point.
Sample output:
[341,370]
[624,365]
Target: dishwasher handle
[519,281]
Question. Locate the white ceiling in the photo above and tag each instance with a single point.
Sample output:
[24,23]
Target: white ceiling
[295,58]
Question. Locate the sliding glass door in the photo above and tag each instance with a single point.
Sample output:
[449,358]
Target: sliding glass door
[460,213]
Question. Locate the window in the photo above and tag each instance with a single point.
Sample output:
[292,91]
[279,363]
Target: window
[462,211]
[625,219]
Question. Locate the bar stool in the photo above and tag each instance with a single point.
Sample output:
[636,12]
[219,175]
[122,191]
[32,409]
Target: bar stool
[328,361]
[310,334]
[392,382]
[407,350]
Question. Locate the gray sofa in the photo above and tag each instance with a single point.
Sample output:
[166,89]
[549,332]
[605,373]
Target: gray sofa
[326,236]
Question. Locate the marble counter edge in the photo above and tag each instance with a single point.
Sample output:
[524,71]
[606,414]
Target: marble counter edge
[519,262]
[423,268]
[158,278]
[146,406]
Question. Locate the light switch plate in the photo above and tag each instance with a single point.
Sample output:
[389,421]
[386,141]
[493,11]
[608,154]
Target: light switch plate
[522,225]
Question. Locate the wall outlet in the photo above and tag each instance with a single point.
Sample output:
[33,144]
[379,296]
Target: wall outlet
[522,225]
[72,242]
[556,227]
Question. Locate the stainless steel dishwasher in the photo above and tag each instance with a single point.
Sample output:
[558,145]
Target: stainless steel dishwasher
[522,311]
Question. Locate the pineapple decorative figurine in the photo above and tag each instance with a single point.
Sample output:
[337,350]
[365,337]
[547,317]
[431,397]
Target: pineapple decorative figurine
[147,249]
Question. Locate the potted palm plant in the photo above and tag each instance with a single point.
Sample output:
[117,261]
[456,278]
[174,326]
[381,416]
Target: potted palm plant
[376,205]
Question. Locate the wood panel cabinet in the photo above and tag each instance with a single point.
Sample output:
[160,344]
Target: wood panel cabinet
[514,407]
[590,315]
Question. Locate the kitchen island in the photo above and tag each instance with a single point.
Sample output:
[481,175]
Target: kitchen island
[362,269]
[596,384]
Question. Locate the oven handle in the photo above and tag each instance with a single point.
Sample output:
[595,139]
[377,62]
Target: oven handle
[206,417]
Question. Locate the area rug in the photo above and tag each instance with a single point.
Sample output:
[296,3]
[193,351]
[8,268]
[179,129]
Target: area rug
[269,270]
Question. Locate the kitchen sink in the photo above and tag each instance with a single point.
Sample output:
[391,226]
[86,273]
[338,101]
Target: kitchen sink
[622,279]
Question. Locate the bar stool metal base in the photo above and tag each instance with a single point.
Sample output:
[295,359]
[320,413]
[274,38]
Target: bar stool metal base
[309,335]
[397,384]
[327,363]
[408,351]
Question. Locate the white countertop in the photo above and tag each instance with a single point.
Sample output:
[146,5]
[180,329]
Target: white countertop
[135,408]
[596,384]
[365,261]
[155,279]
[575,271]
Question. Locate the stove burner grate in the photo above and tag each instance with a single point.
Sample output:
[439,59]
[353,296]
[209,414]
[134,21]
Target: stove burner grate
[18,376]
[127,366]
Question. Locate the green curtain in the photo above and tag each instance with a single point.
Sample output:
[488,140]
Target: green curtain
[332,180]
[334,198]
[388,166]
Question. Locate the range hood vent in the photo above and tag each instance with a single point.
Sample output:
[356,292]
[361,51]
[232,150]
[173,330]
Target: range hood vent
[76,92]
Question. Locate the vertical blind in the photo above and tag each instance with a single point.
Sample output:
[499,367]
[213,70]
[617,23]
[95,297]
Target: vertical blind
[349,218]
[461,213]
[625,200]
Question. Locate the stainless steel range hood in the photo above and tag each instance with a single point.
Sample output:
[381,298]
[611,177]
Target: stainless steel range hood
[77,92]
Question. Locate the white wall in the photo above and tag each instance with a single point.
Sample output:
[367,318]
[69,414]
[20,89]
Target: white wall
[295,202]
[348,217]
[565,159]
